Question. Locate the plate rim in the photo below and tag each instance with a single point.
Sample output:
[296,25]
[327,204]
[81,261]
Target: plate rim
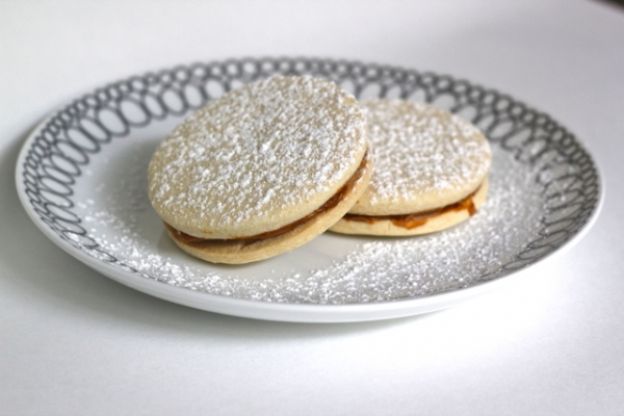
[290,312]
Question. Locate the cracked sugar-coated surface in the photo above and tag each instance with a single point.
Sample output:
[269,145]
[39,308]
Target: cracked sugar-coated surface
[258,158]
[424,158]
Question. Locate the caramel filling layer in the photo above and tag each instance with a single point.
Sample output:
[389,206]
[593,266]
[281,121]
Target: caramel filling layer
[418,219]
[329,204]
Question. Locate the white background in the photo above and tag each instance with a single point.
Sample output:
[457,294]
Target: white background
[74,342]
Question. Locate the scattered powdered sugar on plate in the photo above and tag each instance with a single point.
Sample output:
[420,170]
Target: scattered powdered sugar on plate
[333,269]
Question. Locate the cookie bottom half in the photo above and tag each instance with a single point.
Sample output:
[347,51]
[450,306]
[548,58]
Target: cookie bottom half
[240,251]
[417,223]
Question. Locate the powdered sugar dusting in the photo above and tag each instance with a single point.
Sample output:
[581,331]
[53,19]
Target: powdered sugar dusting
[269,147]
[421,153]
[332,269]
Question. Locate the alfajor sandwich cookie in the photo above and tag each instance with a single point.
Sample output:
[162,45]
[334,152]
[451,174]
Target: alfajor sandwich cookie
[430,171]
[262,170]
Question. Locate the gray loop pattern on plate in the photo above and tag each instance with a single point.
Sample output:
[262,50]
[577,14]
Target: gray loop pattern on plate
[71,137]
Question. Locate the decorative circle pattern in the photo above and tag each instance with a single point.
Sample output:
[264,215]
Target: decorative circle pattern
[69,139]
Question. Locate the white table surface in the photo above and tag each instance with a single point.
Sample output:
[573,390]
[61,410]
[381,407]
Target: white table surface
[551,343]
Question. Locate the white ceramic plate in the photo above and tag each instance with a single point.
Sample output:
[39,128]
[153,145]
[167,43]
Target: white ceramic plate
[81,178]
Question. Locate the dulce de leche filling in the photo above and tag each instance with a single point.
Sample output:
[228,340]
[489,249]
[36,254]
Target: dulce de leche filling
[329,204]
[418,219]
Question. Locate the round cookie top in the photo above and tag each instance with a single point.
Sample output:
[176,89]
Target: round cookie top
[424,158]
[258,158]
